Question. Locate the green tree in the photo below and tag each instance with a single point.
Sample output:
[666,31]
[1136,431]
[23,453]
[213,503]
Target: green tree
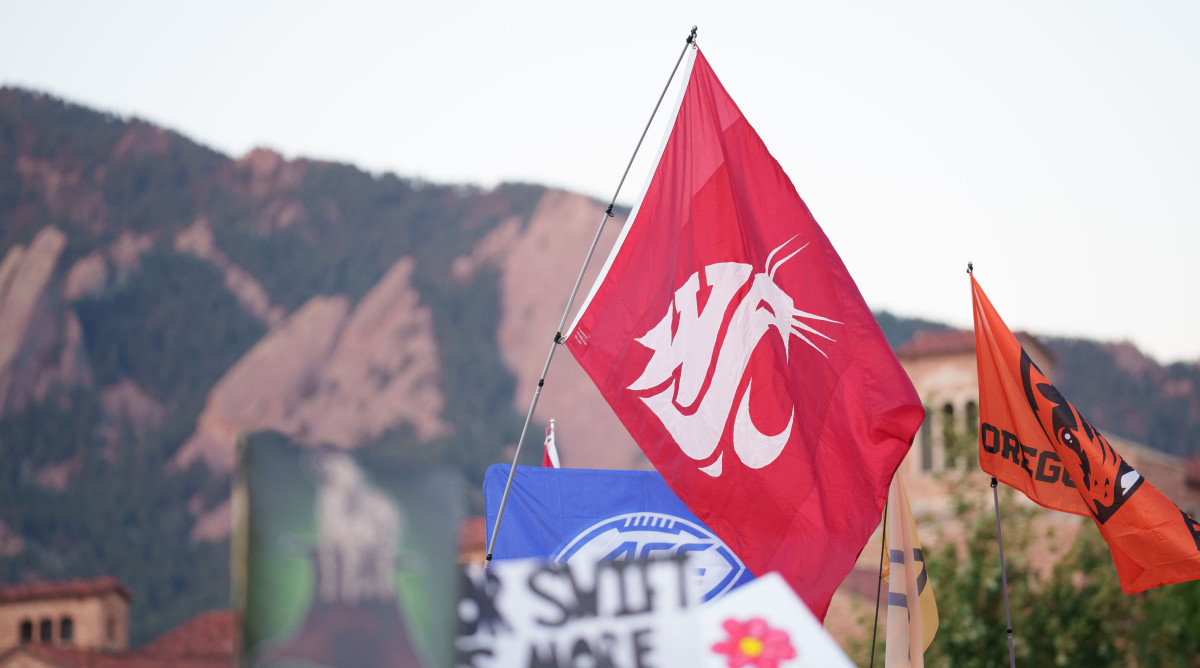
[1074,615]
[1166,630]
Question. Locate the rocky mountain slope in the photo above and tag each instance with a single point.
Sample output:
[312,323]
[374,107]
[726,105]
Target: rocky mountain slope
[159,300]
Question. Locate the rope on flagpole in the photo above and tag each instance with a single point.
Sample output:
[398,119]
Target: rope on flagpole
[608,213]
[879,583]
[1012,659]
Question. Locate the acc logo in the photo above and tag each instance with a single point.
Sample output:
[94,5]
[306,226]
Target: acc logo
[642,535]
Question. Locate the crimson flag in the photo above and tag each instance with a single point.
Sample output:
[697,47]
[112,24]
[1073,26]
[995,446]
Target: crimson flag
[1033,439]
[730,340]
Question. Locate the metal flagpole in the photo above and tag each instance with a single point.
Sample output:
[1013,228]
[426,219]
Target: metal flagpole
[608,213]
[879,584]
[1012,659]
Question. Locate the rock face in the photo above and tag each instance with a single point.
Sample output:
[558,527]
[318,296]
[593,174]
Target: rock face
[58,476]
[40,345]
[11,542]
[65,190]
[213,525]
[538,267]
[329,375]
[140,140]
[126,401]
[198,240]
[273,183]
[126,252]
[383,371]
[87,276]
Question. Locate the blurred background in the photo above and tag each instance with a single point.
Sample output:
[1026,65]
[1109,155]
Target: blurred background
[355,229]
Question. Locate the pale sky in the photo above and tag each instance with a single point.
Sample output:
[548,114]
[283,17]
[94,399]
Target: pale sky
[1054,144]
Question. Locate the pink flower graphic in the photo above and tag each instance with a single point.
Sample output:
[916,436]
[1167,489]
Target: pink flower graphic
[754,644]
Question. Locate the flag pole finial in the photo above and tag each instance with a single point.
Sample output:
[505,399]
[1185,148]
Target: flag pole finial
[970,266]
[692,37]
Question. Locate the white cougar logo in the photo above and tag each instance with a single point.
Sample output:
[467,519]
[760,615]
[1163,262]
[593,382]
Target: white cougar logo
[694,421]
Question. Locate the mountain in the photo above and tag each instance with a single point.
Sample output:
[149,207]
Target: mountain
[160,300]
[1125,392]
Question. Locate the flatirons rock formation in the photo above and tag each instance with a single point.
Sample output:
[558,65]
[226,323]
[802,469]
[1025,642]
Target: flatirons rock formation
[39,343]
[330,374]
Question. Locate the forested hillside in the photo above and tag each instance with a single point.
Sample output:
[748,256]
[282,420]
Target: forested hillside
[159,299]
[85,480]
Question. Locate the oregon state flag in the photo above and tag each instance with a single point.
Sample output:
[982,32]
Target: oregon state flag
[732,343]
[1033,439]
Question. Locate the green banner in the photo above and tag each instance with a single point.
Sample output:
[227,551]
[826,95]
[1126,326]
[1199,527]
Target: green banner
[342,558]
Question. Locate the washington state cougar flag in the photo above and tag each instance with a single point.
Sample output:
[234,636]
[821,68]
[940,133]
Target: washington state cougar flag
[1033,439]
[729,339]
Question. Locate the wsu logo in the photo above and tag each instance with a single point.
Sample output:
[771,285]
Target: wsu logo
[695,414]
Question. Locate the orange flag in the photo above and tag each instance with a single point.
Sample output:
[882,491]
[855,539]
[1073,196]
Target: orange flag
[1033,439]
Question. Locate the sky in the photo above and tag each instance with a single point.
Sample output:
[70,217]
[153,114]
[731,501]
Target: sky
[1056,145]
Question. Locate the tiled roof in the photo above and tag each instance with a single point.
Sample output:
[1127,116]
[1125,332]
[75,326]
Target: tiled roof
[1192,471]
[957,341]
[210,634]
[63,589]
[472,533]
[77,658]
[938,343]
[208,640]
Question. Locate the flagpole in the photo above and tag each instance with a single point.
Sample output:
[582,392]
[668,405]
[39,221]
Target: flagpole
[608,213]
[879,583]
[1012,659]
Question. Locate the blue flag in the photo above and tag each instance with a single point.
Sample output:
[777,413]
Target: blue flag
[585,514]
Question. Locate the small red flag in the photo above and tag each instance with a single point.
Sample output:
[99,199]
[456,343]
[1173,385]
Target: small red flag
[550,449]
[1033,439]
[731,342]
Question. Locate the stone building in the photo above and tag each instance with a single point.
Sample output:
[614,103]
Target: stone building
[84,614]
[85,624]
[943,370]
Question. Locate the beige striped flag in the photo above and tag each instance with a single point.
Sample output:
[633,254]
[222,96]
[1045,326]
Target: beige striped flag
[912,612]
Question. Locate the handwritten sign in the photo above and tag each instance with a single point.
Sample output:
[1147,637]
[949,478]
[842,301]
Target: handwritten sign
[546,615]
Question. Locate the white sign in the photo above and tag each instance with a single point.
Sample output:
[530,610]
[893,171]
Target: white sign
[765,625]
[632,614]
[537,614]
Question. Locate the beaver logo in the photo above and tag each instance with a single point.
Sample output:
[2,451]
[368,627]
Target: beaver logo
[1108,480]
